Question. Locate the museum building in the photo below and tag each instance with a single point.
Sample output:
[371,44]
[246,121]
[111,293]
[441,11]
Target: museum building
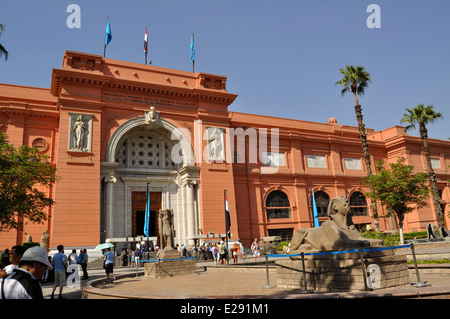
[114,129]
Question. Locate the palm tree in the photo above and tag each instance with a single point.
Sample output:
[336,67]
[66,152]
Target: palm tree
[425,115]
[2,48]
[356,80]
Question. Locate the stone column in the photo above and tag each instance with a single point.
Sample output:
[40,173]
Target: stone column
[109,179]
[190,211]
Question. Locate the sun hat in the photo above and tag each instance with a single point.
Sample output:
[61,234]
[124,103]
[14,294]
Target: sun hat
[36,253]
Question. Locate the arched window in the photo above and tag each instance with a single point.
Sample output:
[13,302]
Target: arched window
[277,205]
[145,151]
[322,200]
[358,204]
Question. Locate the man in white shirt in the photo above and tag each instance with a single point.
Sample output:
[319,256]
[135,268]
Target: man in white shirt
[23,282]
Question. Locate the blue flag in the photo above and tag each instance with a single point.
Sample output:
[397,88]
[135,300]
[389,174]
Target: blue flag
[108,34]
[147,214]
[315,214]
[192,49]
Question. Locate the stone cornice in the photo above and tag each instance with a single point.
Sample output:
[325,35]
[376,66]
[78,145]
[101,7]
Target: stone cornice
[87,69]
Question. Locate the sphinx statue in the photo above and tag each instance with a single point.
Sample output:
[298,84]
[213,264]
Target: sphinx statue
[337,233]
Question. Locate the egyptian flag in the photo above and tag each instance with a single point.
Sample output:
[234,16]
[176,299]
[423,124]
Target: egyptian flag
[145,42]
[227,217]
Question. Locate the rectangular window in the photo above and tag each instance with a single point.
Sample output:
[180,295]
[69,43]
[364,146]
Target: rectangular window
[435,163]
[273,159]
[274,213]
[316,161]
[284,233]
[352,163]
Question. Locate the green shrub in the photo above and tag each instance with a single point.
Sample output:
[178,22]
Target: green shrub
[29,244]
[388,239]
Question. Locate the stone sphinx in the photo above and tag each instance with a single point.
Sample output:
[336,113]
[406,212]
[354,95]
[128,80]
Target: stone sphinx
[337,233]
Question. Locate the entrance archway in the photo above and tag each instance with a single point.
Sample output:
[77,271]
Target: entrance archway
[140,153]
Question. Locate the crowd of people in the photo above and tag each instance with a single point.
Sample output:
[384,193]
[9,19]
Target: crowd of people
[23,270]
[218,251]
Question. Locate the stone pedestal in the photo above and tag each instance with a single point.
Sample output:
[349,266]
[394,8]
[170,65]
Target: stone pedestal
[170,265]
[343,272]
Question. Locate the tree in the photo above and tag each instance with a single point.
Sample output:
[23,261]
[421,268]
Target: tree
[399,189]
[423,116]
[24,176]
[2,48]
[356,80]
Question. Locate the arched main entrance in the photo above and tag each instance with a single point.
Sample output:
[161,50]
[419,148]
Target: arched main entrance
[139,155]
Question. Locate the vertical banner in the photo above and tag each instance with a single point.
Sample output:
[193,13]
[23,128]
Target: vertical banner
[147,214]
[314,208]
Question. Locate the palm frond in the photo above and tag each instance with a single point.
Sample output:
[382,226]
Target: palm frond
[3,52]
[357,77]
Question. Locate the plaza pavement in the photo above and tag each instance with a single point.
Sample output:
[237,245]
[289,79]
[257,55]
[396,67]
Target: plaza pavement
[246,280]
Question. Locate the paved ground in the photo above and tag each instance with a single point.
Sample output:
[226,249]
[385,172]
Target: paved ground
[229,282]
[243,282]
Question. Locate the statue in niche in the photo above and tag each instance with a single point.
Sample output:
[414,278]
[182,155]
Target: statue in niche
[337,233]
[166,229]
[215,144]
[80,130]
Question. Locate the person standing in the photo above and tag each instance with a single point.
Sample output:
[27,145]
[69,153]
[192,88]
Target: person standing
[14,258]
[235,252]
[60,265]
[255,249]
[109,265]
[23,282]
[82,260]
[5,258]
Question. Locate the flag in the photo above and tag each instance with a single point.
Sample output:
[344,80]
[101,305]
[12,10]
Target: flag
[145,41]
[108,33]
[192,49]
[314,207]
[227,217]
[147,214]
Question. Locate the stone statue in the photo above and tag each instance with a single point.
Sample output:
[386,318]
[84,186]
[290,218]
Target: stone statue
[44,240]
[151,114]
[337,233]
[80,129]
[216,145]
[166,229]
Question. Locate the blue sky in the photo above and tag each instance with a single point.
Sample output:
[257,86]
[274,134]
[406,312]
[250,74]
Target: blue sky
[281,57]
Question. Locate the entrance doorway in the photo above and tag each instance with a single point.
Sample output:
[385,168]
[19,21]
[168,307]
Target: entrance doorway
[139,200]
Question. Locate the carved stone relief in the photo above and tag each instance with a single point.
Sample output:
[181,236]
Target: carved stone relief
[80,132]
[215,144]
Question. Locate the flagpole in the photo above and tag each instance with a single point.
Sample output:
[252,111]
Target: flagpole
[226,222]
[106,35]
[148,217]
[193,60]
